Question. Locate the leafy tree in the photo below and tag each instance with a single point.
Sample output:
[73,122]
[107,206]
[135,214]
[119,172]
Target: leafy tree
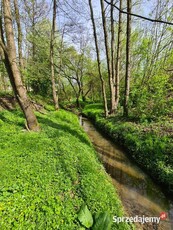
[37,71]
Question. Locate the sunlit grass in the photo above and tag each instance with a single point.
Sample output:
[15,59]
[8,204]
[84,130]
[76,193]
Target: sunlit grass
[45,177]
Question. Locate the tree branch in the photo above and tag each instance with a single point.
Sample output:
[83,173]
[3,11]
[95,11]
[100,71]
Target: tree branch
[140,16]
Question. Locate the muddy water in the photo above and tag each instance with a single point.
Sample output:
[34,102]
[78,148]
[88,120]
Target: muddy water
[139,194]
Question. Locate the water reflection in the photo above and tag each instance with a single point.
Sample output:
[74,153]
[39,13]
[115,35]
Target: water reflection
[140,196]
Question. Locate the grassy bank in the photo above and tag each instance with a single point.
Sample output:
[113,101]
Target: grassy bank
[46,177]
[146,143]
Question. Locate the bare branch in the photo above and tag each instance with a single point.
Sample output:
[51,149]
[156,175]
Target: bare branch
[139,16]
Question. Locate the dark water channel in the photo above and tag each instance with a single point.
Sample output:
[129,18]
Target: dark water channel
[139,194]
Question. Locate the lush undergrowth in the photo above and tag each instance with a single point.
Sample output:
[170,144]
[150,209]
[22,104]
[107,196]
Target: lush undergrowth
[146,143]
[46,177]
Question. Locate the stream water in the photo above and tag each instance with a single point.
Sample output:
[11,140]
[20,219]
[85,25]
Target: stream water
[139,194]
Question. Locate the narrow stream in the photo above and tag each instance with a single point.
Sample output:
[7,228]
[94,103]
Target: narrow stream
[139,194]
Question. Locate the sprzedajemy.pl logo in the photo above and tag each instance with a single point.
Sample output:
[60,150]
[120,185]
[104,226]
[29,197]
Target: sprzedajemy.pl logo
[140,219]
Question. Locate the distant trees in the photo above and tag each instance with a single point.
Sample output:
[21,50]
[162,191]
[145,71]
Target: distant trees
[78,71]
[144,58]
[37,71]
[73,71]
[130,64]
[36,34]
[151,49]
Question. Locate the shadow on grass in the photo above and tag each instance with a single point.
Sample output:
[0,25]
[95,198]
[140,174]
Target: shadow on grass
[65,128]
[13,120]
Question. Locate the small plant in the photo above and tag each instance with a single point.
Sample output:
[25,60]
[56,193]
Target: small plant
[102,221]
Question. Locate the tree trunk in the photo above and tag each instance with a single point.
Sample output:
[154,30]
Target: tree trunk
[113,57]
[19,40]
[13,70]
[77,102]
[119,45]
[98,61]
[127,77]
[55,96]
[2,58]
[108,58]
[33,13]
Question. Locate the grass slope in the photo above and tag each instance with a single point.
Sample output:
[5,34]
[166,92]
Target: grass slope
[45,177]
[149,147]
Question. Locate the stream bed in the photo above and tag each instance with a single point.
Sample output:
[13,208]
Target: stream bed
[138,192]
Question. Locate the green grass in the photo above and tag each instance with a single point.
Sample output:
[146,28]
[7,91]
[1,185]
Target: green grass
[45,177]
[146,143]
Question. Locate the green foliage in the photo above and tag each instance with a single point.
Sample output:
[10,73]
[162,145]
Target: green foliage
[95,109]
[147,146]
[85,216]
[151,101]
[79,75]
[45,177]
[102,221]
[37,72]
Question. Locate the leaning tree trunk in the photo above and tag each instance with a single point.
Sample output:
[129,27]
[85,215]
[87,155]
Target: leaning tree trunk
[15,76]
[127,77]
[55,96]
[98,61]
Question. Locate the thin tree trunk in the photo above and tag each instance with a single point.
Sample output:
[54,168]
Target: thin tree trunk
[79,91]
[127,77]
[2,56]
[13,70]
[108,57]
[113,57]
[33,30]
[55,96]
[119,45]
[19,40]
[98,61]
[2,79]
[77,102]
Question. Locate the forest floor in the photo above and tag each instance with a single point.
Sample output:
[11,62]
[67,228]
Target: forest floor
[46,177]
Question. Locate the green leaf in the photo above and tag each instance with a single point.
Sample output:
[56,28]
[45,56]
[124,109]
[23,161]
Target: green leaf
[102,222]
[85,216]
